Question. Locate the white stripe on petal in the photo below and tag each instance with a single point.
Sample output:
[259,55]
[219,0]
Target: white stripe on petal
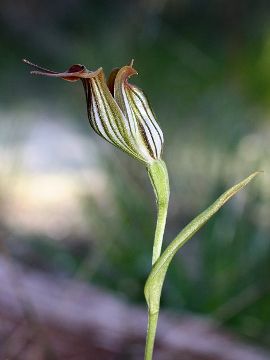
[146,118]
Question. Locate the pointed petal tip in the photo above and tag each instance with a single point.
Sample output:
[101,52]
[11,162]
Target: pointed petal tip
[27,61]
[39,68]
[126,71]
[73,73]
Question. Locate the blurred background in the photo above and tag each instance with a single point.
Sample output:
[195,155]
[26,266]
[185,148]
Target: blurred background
[76,213]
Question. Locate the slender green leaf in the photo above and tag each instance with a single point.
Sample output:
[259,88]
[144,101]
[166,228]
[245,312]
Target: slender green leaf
[156,277]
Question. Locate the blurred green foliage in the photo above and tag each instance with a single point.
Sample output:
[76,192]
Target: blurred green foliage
[206,68]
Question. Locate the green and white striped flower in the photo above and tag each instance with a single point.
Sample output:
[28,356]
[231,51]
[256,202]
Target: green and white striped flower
[118,111]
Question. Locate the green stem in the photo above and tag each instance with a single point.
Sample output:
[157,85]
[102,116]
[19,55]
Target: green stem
[158,174]
[151,334]
[160,181]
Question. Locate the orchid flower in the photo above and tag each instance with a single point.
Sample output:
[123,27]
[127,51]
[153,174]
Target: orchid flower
[117,111]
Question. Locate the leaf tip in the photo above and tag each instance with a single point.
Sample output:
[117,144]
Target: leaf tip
[253,175]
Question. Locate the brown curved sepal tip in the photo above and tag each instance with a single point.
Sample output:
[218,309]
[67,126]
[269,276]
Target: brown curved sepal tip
[73,73]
